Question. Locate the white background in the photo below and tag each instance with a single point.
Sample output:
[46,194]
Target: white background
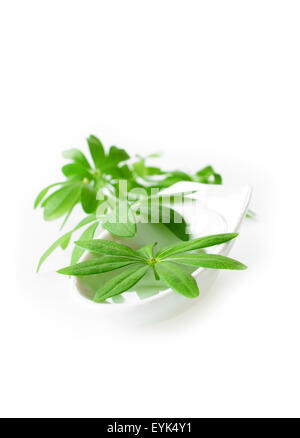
[206,82]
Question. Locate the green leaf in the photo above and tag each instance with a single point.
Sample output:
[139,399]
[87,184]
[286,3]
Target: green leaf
[121,282]
[61,201]
[69,212]
[167,216]
[173,178]
[85,221]
[155,155]
[61,241]
[143,171]
[251,214]
[43,193]
[118,225]
[75,169]
[124,172]
[115,156]
[177,224]
[107,247]
[207,175]
[77,156]
[140,168]
[151,170]
[88,198]
[178,279]
[202,242]
[182,175]
[147,250]
[120,230]
[97,266]
[64,240]
[97,151]
[218,178]
[86,235]
[212,261]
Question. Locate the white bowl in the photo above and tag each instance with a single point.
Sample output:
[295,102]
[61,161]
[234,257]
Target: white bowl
[220,209]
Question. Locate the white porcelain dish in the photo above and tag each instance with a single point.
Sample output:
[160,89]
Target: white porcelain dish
[219,209]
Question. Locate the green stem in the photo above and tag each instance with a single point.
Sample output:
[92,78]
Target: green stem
[155,273]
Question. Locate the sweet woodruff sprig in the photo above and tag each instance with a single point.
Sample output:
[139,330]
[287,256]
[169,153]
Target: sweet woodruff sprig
[165,264]
[92,182]
[83,180]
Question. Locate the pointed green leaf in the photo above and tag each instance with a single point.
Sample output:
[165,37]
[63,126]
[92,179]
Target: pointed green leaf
[139,168]
[167,216]
[217,178]
[147,250]
[120,230]
[61,241]
[155,155]
[88,198]
[173,178]
[115,156]
[84,222]
[97,151]
[121,282]
[87,220]
[75,169]
[177,279]
[205,173]
[177,224]
[97,266]
[251,214]
[212,261]
[64,240]
[86,235]
[61,201]
[120,222]
[151,170]
[202,242]
[124,172]
[108,247]
[179,174]
[69,212]
[179,230]
[77,156]
[43,193]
